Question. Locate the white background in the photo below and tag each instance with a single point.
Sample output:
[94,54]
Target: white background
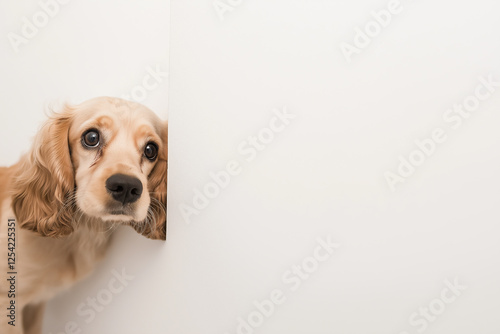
[88,49]
[323,175]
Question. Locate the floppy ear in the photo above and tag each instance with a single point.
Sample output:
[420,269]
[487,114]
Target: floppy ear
[157,186]
[44,181]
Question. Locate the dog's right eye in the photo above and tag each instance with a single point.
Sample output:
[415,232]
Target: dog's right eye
[90,138]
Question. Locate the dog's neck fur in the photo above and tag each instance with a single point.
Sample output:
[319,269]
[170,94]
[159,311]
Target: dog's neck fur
[88,241]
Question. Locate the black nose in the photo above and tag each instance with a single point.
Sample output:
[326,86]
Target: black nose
[125,189]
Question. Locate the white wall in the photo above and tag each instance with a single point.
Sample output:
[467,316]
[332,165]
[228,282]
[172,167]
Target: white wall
[87,49]
[322,175]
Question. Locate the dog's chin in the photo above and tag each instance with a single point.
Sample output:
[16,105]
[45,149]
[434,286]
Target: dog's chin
[122,214]
[117,217]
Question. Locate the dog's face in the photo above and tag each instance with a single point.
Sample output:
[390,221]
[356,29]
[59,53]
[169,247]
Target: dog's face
[114,148]
[106,159]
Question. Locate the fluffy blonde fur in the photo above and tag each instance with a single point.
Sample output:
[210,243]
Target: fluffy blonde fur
[58,197]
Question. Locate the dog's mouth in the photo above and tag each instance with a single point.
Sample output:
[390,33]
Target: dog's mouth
[119,213]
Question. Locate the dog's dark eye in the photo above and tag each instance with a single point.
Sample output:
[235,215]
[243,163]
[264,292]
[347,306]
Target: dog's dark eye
[90,138]
[151,151]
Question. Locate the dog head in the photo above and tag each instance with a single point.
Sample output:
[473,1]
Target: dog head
[105,159]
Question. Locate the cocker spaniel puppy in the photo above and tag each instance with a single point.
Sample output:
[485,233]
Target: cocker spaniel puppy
[92,167]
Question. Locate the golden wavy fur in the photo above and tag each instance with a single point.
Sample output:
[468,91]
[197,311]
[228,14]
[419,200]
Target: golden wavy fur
[67,195]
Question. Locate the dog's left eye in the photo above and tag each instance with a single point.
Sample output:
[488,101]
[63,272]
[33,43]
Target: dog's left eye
[90,138]
[151,151]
